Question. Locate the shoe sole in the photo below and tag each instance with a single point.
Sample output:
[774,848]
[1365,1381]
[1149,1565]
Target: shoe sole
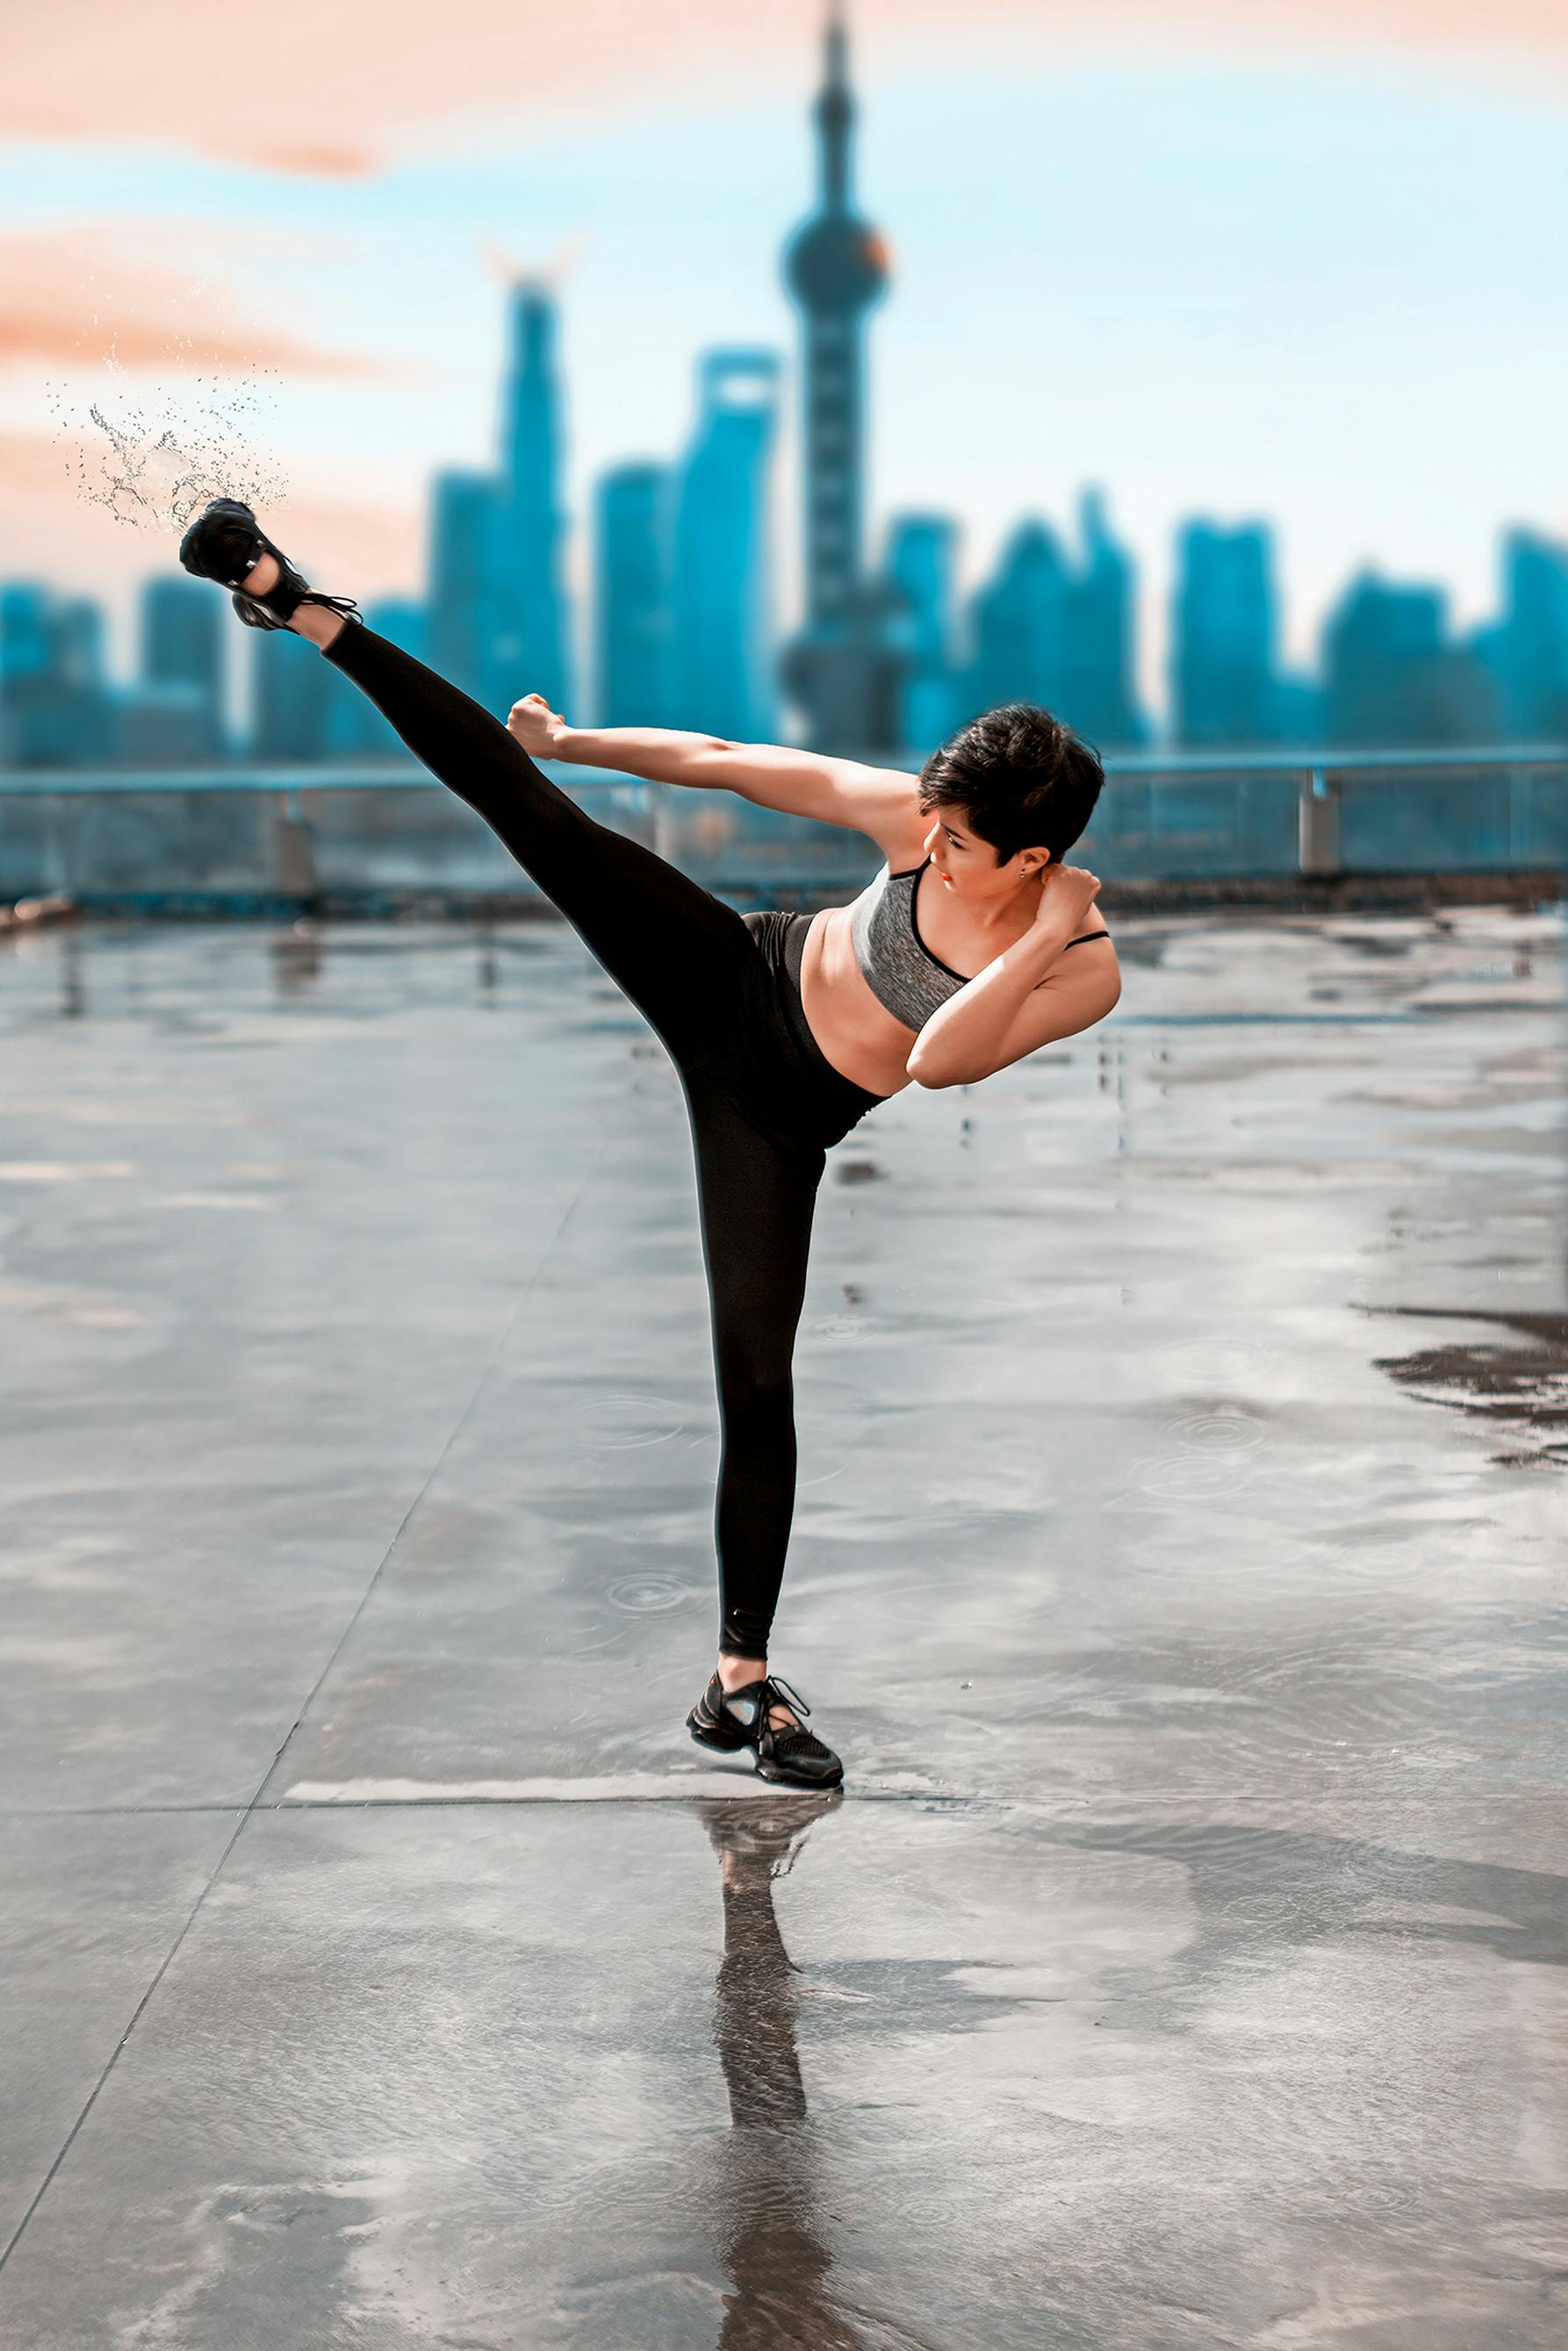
[193,532]
[768,1772]
[727,1742]
[788,1778]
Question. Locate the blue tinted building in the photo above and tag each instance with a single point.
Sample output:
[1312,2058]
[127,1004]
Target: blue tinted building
[1527,649]
[523,623]
[838,669]
[1224,625]
[920,566]
[721,666]
[292,693]
[1098,696]
[56,705]
[1391,676]
[182,671]
[633,533]
[459,528]
[1019,624]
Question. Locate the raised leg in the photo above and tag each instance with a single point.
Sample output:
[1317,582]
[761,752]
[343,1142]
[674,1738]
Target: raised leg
[676,950]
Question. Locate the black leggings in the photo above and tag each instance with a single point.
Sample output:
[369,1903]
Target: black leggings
[722,990]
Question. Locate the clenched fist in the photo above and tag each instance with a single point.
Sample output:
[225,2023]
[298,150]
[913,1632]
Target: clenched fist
[539,729]
[1066,893]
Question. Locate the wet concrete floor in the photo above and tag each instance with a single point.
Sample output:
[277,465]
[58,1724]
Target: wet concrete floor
[1179,1565]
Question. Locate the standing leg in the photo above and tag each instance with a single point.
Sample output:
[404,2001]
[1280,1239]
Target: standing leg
[758,1199]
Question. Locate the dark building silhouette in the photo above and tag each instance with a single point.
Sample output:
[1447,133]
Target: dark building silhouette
[523,626]
[498,622]
[920,566]
[1224,625]
[176,712]
[1099,698]
[633,531]
[291,697]
[1526,649]
[56,707]
[1045,630]
[459,526]
[721,679]
[1019,624]
[1392,677]
[838,669]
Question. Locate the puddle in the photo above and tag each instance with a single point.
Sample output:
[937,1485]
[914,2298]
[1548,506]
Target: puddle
[1520,1383]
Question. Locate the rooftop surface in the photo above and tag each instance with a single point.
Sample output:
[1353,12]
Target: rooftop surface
[1178,1564]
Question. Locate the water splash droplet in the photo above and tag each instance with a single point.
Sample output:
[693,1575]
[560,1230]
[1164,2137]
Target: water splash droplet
[152,460]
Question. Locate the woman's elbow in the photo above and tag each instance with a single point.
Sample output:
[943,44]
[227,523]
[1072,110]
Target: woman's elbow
[935,1079]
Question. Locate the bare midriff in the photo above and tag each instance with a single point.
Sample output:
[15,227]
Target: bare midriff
[856,1032]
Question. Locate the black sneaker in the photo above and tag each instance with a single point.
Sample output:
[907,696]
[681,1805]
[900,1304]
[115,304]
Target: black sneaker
[730,1719]
[225,543]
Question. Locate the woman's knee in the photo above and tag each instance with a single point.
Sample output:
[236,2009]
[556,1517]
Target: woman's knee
[756,1383]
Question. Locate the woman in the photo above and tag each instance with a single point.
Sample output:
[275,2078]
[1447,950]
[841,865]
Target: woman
[784,1029]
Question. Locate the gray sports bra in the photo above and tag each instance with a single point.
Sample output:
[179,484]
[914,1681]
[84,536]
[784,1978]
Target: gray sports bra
[900,969]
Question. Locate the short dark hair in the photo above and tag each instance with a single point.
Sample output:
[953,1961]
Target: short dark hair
[1023,778]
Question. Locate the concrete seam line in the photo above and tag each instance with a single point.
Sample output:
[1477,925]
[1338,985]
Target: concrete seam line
[218,1866]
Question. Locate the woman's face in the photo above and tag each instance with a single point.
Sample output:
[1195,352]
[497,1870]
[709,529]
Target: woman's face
[968,865]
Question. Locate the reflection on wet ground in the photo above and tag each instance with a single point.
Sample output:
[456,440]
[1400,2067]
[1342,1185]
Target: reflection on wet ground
[1523,1387]
[770,2233]
[1178,1564]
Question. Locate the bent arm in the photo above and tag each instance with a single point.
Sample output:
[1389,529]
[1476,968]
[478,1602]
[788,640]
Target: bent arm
[874,800]
[1027,997]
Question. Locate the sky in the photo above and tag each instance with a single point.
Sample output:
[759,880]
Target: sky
[1300,260]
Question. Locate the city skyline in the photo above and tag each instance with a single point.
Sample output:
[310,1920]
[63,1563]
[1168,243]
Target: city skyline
[1284,271]
[1153,647]
[683,627]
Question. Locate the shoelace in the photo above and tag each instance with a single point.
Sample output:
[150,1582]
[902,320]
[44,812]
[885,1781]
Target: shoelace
[345,605]
[788,1737]
[771,1690]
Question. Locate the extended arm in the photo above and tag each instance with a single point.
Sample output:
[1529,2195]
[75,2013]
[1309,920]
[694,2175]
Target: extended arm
[874,800]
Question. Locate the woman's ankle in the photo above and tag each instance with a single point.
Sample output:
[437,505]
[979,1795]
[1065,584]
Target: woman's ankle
[735,1672]
[319,622]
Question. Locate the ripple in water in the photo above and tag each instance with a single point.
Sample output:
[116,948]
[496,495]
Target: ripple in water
[649,1594]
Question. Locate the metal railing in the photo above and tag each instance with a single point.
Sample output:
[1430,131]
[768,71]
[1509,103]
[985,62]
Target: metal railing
[1163,813]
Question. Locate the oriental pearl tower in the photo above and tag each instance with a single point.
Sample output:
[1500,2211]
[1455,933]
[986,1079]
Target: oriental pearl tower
[838,669]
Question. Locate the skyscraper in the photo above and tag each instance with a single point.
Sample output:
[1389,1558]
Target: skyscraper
[838,669]
[721,650]
[54,701]
[291,690]
[1527,648]
[1098,697]
[522,614]
[1392,675]
[182,664]
[1223,630]
[461,504]
[1019,625]
[920,566]
[632,534]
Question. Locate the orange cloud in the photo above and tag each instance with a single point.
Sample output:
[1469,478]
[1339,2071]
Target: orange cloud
[77,299]
[328,90]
